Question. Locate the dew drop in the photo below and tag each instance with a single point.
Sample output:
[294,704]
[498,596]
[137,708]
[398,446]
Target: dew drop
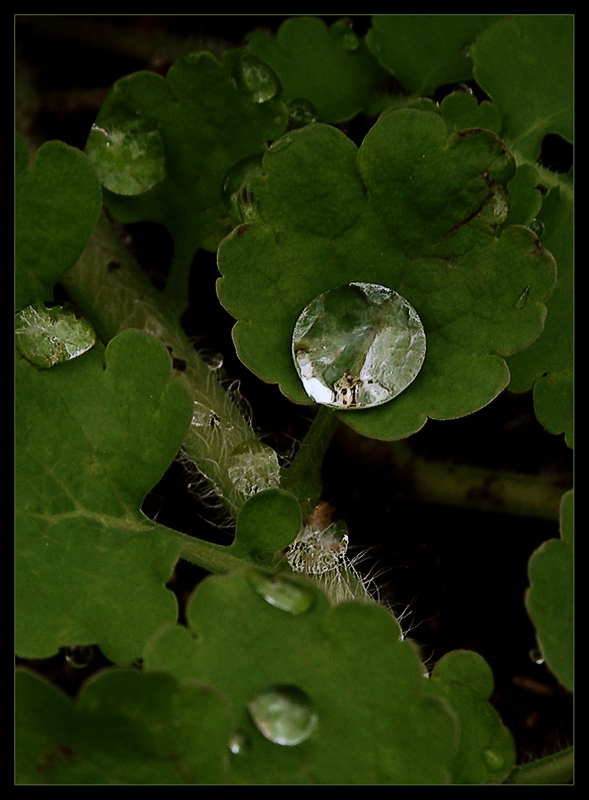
[49,336]
[301,112]
[253,467]
[537,227]
[536,655]
[238,742]
[282,593]
[255,78]
[283,714]
[236,191]
[79,656]
[129,158]
[523,298]
[493,759]
[358,346]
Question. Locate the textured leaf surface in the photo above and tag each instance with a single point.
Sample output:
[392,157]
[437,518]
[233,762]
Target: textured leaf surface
[487,752]
[346,81]
[93,436]
[550,598]
[425,51]
[207,122]
[548,364]
[58,201]
[525,64]
[126,727]
[379,720]
[413,209]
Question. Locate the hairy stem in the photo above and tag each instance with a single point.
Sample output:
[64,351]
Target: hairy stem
[113,293]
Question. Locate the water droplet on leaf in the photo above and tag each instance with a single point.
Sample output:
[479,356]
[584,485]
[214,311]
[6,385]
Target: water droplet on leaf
[48,336]
[253,467]
[537,227]
[238,742]
[129,158]
[255,78]
[282,593]
[301,112]
[536,655]
[523,298]
[79,656]
[236,192]
[283,714]
[358,346]
[493,759]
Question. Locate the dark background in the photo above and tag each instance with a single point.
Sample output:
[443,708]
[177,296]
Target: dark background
[459,576]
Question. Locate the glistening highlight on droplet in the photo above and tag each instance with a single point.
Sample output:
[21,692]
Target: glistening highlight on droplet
[358,346]
[283,714]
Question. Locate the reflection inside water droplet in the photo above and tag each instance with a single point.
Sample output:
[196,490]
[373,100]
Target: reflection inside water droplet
[493,759]
[283,714]
[129,158]
[238,742]
[282,593]
[255,78]
[253,467]
[79,656]
[358,346]
[49,336]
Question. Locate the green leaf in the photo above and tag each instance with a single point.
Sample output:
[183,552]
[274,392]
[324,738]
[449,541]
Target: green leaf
[548,365]
[345,665]
[208,117]
[550,598]
[487,751]
[415,210]
[329,67]
[424,51]
[525,64]
[126,727]
[58,201]
[269,521]
[93,436]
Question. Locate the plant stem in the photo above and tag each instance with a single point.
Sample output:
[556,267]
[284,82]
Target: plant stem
[113,294]
[555,769]
[303,476]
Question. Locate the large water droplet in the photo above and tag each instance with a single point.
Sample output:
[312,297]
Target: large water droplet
[358,346]
[283,714]
[255,77]
[48,336]
[282,593]
[316,551]
[129,158]
[253,467]
[493,759]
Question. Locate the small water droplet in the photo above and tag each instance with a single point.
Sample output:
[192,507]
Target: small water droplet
[49,336]
[283,714]
[79,656]
[203,416]
[282,593]
[358,346]
[537,227]
[238,742]
[129,158]
[536,655]
[493,759]
[236,191]
[301,112]
[255,78]
[253,467]
[281,144]
[523,298]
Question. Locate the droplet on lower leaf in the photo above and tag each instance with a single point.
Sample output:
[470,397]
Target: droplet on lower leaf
[253,467]
[358,346]
[283,714]
[48,336]
[282,593]
[79,656]
[316,551]
[301,112]
[129,158]
[255,78]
